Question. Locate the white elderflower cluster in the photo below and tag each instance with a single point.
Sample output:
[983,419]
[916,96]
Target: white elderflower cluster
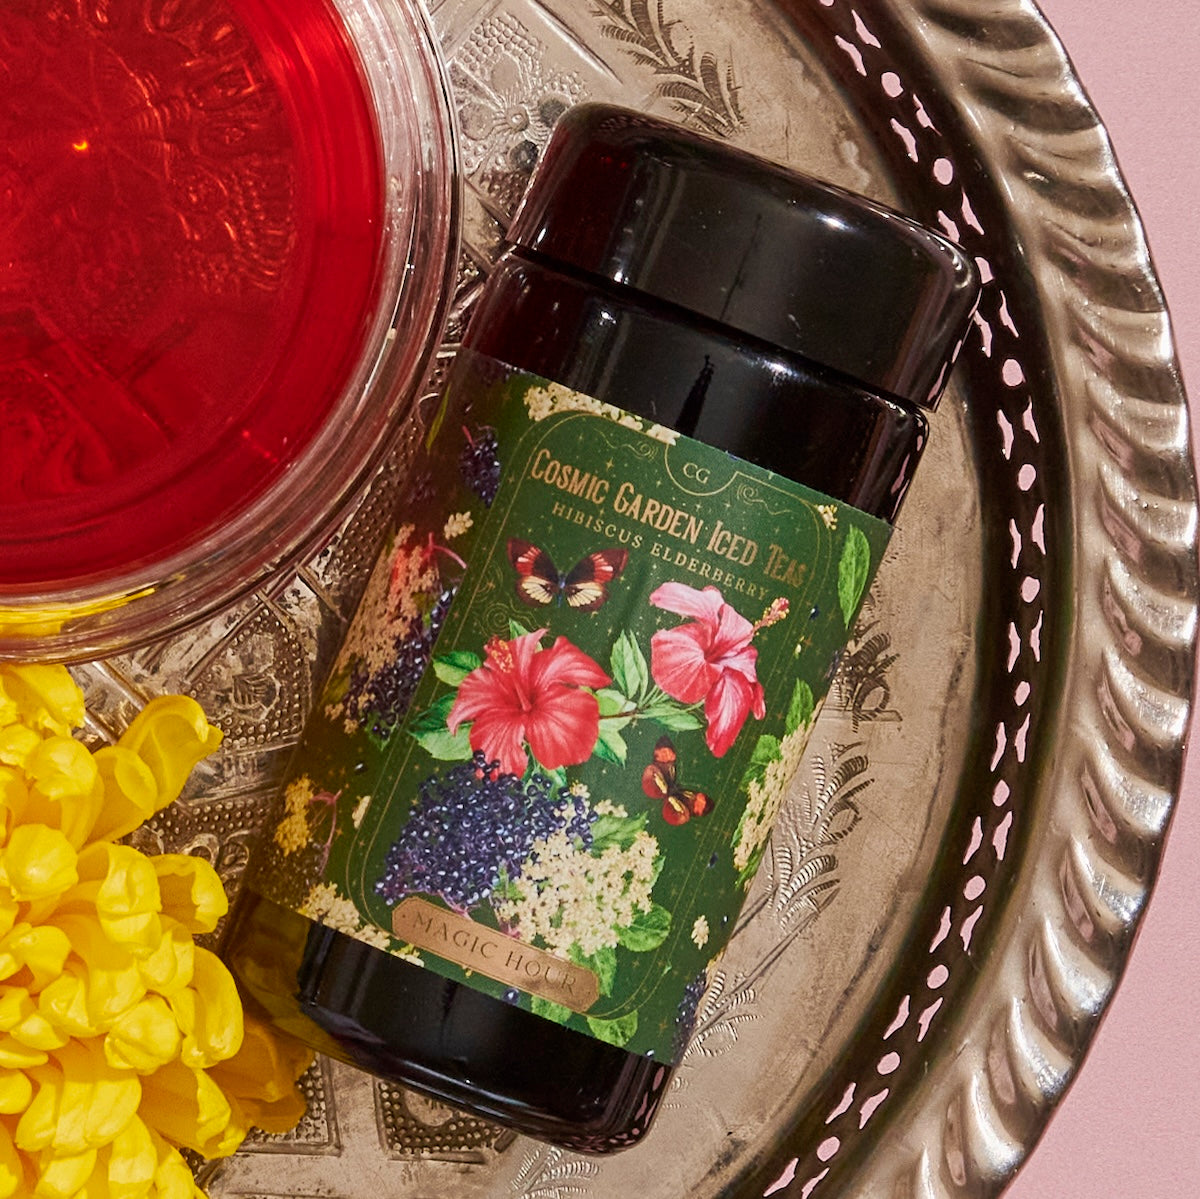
[546,401]
[765,797]
[700,932]
[570,897]
[292,832]
[360,811]
[327,906]
[457,523]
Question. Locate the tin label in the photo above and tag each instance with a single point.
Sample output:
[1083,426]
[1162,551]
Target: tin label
[559,730]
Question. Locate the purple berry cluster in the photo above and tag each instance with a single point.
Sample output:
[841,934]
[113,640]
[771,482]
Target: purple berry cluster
[685,1014]
[388,692]
[479,463]
[473,825]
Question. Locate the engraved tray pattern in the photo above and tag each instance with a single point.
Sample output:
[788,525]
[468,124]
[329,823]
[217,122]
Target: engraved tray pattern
[960,870]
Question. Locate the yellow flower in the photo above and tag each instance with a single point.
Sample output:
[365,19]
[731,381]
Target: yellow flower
[259,1080]
[171,734]
[37,863]
[12,1168]
[144,1037]
[130,793]
[121,1040]
[132,1161]
[209,1013]
[191,891]
[44,698]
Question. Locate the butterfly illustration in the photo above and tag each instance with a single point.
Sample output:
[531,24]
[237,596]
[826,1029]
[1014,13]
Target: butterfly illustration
[679,804]
[584,587]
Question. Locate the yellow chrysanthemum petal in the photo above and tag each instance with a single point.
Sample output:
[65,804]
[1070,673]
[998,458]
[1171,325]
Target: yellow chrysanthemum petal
[97,1100]
[15,1056]
[171,734]
[130,793]
[14,798]
[171,964]
[62,1176]
[188,1109]
[15,1093]
[12,1167]
[144,1038]
[17,742]
[109,972]
[40,949]
[21,1019]
[132,1162]
[15,1005]
[172,1178]
[120,884]
[275,1116]
[39,1122]
[64,1002]
[191,891]
[44,697]
[38,862]
[265,1069]
[209,1013]
[66,792]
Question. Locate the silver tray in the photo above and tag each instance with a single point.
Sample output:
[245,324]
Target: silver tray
[952,891]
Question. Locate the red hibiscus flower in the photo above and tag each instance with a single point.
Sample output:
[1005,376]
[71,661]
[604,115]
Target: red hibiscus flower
[710,658]
[523,694]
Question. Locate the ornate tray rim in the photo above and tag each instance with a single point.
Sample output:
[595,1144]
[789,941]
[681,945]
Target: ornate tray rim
[1104,807]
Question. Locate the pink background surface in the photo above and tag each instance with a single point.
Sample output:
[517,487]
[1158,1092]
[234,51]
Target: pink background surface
[1130,1126]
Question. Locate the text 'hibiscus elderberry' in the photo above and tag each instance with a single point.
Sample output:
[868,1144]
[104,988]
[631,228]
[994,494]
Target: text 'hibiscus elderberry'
[539,781]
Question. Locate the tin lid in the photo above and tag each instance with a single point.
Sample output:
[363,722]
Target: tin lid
[771,253]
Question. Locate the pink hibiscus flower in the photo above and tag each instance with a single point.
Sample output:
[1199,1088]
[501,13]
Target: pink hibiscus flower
[523,694]
[710,658]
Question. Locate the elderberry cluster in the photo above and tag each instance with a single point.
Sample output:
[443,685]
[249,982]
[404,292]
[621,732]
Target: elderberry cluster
[685,1014]
[479,463]
[388,692]
[472,825]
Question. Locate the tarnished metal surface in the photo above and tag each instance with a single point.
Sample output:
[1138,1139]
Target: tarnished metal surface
[955,882]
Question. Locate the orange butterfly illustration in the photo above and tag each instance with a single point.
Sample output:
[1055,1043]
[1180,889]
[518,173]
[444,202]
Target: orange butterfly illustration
[679,804]
[584,587]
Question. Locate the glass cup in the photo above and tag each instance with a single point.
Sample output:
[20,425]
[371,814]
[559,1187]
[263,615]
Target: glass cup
[186,92]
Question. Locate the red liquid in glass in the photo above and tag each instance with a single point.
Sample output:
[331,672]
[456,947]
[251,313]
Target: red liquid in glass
[190,216]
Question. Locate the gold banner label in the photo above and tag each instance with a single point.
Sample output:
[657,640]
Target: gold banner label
[507,960]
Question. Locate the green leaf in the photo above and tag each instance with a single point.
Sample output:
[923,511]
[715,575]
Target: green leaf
[853,571]
[620,831]
[648,930]
[603,963]
[453,668]
[549,1010]
[610,746]
[766,750]
[673,716]
[612,704]
[434,717]
[629,669]
[516,629]
[617,1032]
[445,745]
[801,709]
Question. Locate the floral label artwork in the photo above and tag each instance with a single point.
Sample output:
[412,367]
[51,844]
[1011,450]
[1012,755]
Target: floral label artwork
[579,682]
